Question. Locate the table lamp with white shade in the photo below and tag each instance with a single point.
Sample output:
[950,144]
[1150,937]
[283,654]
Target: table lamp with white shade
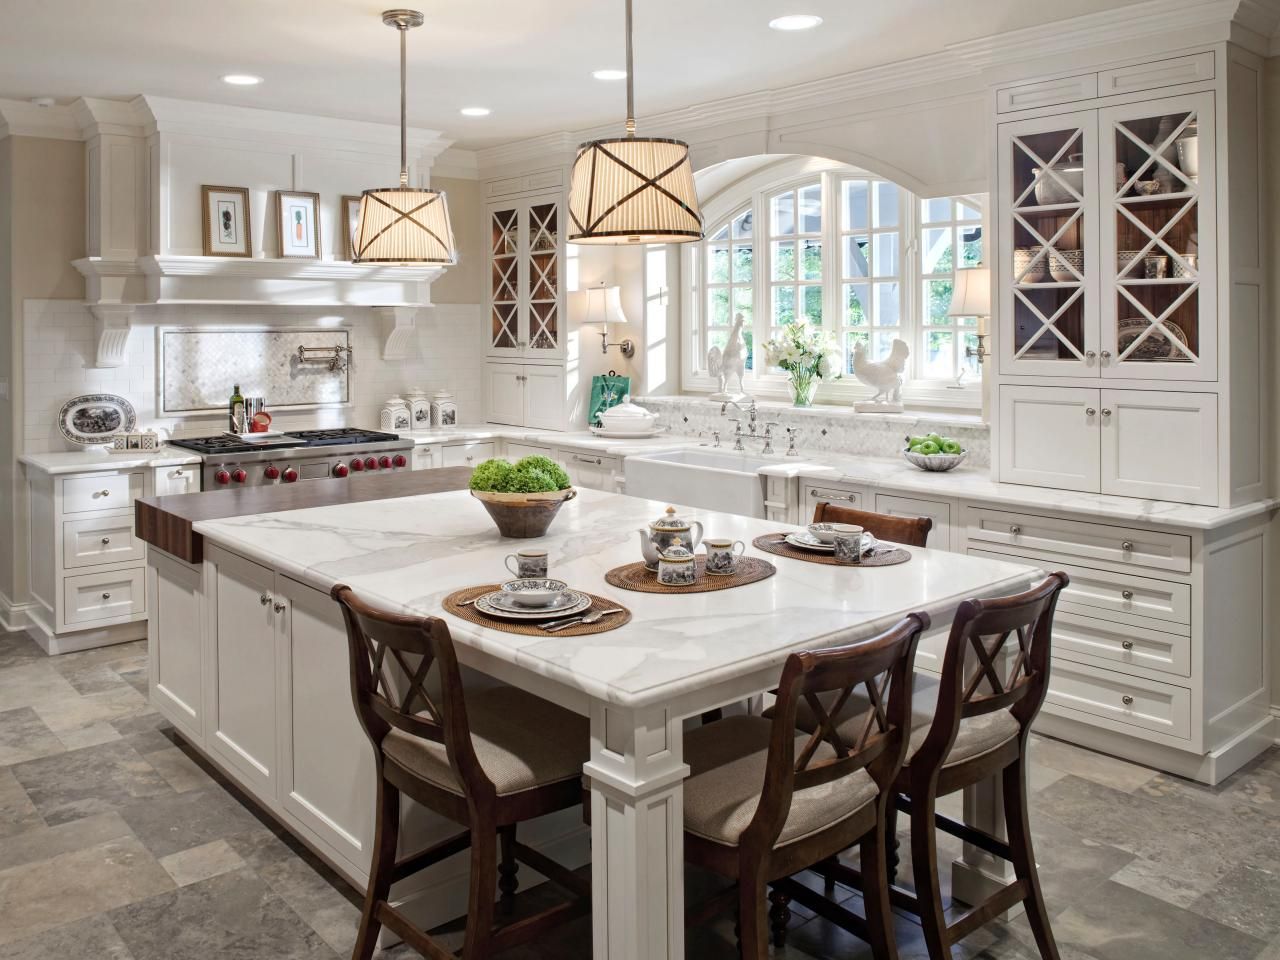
[603,305]
[971,297]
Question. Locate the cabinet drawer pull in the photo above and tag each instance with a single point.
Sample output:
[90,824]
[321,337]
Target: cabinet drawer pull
[1015,529]
[1127,594]
[1127,700]
[1126,545]
[1126,644]
[106,596]
[819,495]
[279,607]
[105,541]
[264,599]
[596,460]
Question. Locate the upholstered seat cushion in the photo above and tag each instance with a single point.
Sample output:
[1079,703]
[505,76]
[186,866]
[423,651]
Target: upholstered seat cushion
[976,736]
[727,766]
[521,741]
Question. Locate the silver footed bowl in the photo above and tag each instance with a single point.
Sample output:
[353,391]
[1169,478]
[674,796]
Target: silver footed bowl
[935,462]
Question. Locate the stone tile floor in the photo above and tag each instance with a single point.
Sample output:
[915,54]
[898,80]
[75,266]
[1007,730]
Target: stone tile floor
[117,843]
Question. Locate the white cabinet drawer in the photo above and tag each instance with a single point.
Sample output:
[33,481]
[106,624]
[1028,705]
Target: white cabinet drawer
[1092,591]
[104,596]
[1076,636]
[100,491]
[938,512]
[1043,93]
[1160,73]
[840,496]
[1126,701]
[468,454]
[517,451]
[594,460]
[170,481]
[1081,539]
[100,540]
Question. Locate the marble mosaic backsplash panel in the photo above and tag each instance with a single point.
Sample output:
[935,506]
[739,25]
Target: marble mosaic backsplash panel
[198,368]
[825,429]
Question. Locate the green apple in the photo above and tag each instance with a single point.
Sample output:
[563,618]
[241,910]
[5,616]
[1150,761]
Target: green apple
[928,448]
[950,446]
[915,441]
[935,438]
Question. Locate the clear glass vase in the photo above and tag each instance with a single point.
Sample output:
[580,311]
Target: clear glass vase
[803,387]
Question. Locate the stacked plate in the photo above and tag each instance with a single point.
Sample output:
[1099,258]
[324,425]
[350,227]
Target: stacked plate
[532,600]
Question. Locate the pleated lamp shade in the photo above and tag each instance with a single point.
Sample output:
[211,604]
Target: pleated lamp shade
[403,225]
[633,190]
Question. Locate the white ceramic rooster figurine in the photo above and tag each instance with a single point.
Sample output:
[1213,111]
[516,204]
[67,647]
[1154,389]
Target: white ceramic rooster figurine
[728,363]
[884,375]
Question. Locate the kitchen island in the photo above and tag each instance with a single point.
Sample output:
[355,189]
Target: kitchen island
[249,660]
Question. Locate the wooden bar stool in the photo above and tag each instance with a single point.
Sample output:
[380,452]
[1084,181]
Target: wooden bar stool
[978,729]
[487,761]
[763,802]
[908,531]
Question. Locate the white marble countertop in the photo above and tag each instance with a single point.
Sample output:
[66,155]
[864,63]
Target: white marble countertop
[576,439]
[409,559]
[87,461]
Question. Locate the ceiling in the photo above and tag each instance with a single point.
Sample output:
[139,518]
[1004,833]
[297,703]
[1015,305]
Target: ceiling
[530,61]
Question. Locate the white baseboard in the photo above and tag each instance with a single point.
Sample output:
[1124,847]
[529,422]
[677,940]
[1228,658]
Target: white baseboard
[14,617]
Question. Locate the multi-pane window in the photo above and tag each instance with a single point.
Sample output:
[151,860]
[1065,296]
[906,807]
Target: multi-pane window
[730,286]
[870,266]
[795,256]
[950,240]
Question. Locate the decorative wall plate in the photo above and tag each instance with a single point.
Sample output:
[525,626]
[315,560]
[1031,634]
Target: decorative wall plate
[95,418]
[1155,347]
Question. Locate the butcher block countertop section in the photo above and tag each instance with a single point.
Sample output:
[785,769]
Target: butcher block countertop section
[165,522]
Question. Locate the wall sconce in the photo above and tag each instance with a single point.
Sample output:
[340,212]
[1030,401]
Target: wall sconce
[603,305]
[971,297]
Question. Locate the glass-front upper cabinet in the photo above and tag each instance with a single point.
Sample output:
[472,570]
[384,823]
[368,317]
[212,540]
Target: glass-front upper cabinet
[525,286]
[1158,256]
[1048,176]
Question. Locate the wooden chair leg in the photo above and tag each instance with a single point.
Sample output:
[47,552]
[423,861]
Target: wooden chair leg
[480,902]
[891,843]
[924,864]
[779,917]
[1018,827]
[508,882]
[875,894]
[753,936]
[385,841]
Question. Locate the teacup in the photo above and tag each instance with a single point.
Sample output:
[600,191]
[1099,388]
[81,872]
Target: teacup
[848,544]
[722,555]
[534,592]
[528,564]
[827,532]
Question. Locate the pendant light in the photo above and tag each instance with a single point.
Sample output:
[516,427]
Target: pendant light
[403,224]
[633,189]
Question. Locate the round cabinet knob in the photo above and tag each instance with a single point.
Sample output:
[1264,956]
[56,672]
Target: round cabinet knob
[106,493]
[1015,529]
[272,473]
[370,463]
[105,541]
[399,460]
[222,477]
[340,470]
[1127,700]
[239,476]
[1127,594]
[290,475]
[1091,355]
[179,473]
[1106,354]
[469,459]
[1106,411]
[384,462]
[1126,545]
[357,464]
[279,607]
[1126,644]
[264,599]
[1090,412]
[106,596]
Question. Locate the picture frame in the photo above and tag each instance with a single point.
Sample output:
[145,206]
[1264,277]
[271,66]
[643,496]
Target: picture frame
[349,219]
[298,224]
[227,231]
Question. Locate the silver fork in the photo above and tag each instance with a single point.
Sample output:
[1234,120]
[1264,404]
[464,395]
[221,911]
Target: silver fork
[557,625]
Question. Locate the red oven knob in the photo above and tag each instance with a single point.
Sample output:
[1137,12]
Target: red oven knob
[357,464]
[272,472]
[222,477]
[290,475]
[340,470]
[399,460]
[239,476]
[370,463]
[385,463]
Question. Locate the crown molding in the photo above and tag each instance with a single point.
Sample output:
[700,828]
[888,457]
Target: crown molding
[457,164]
[97,117]
[20,118]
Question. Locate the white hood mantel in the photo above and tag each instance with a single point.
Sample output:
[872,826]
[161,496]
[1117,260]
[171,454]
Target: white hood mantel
[146,160]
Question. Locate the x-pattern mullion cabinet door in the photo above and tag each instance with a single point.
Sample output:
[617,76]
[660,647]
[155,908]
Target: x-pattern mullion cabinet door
[1158,253]
[1047,175]
[526,279]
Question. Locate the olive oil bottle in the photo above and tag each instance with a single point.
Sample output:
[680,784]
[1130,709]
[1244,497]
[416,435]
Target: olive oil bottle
[237,411]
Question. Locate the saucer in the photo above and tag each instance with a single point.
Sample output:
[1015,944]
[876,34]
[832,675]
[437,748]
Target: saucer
[807,541]
[502,601]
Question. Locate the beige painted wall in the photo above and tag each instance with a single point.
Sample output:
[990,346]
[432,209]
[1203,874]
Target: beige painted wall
[464,281]
[43,210]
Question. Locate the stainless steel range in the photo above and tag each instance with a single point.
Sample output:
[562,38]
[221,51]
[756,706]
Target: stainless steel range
[297,455]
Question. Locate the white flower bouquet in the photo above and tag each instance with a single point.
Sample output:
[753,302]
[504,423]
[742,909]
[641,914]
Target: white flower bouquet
[807,356]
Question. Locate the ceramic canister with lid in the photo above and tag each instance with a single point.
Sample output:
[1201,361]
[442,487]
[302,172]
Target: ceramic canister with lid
[444,412]
[395,415]
[419,408]
[677,565]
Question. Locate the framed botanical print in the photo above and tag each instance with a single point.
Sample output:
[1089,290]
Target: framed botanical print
[226,221]
[298,224]
[350,210]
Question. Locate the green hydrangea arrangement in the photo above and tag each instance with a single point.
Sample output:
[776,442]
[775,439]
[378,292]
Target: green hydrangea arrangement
[530,475]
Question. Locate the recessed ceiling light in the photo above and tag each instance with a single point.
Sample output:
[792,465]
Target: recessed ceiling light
[610,74]
[475,111]
[242,79]
[796,21]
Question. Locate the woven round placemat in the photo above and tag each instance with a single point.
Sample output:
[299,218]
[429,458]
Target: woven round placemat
[633,576]
[776,543]
[453,603]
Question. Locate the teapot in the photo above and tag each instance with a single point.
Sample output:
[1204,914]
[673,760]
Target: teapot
[664,532]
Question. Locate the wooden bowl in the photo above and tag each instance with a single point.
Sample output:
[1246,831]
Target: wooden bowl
[522,516]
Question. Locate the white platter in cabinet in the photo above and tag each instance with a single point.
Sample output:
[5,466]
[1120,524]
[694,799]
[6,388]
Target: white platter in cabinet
[100,491]
[1121,644]
[112,595]
[97,540]
[1133,702]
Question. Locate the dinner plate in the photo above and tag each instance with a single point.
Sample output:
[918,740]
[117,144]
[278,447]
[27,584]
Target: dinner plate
[503,602]
[485,605]
[807,541]
[624,434]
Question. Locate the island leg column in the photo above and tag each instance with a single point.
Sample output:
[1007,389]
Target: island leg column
[636,774]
